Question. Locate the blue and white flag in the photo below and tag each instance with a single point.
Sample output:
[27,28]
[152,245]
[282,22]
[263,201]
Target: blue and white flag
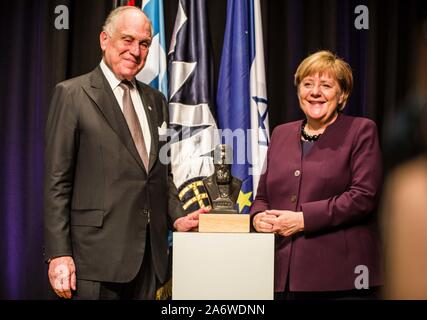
[242,95]
[154,72]
[191,98]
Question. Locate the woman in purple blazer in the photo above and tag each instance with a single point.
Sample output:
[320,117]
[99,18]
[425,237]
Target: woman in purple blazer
[320,191]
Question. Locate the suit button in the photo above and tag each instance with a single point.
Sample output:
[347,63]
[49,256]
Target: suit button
[147,214]
[297,173]
[293,198]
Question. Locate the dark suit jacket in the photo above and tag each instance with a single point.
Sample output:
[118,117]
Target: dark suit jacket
[98,196]
[336,185]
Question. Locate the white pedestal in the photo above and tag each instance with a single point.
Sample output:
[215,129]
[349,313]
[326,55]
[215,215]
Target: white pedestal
[222,266]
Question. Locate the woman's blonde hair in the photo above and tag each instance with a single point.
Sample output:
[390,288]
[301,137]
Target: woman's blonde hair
[326,62]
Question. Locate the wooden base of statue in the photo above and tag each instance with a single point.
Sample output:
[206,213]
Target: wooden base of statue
[224,222]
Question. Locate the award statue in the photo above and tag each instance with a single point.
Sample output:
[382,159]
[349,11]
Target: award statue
[223,190]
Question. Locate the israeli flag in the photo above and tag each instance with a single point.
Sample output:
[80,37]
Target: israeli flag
[242,96]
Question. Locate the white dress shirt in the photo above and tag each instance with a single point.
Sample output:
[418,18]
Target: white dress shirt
[136,100]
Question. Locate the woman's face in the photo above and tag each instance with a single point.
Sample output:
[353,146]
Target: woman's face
[319,96]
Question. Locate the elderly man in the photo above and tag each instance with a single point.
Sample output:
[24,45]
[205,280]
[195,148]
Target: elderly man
[109,200]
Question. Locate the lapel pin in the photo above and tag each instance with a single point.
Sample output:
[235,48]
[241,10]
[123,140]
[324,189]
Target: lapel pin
[149,108]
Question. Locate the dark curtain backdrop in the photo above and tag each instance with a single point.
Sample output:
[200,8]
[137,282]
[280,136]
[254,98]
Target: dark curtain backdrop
[35,56]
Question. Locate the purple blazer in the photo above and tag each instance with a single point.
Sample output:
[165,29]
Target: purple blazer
[336,186]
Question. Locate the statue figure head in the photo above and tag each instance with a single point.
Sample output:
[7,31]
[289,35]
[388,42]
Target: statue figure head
[222,162]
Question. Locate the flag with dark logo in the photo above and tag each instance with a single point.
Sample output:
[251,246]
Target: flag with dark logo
[191,99]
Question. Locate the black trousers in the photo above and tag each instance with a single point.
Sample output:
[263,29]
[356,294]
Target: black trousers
[142,287]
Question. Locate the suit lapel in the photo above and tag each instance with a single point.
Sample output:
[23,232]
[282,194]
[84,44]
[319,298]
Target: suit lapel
[100,92]
[150,112]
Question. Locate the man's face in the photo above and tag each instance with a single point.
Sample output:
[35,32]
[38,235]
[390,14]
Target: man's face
[126,49]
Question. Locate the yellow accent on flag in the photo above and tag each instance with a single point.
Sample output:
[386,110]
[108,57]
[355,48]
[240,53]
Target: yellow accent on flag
[243,200]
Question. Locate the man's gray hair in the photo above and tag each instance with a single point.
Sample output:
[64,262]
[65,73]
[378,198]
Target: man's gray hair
[110,23]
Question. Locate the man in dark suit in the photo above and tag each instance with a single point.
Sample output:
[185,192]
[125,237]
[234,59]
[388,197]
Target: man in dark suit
[109,197]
